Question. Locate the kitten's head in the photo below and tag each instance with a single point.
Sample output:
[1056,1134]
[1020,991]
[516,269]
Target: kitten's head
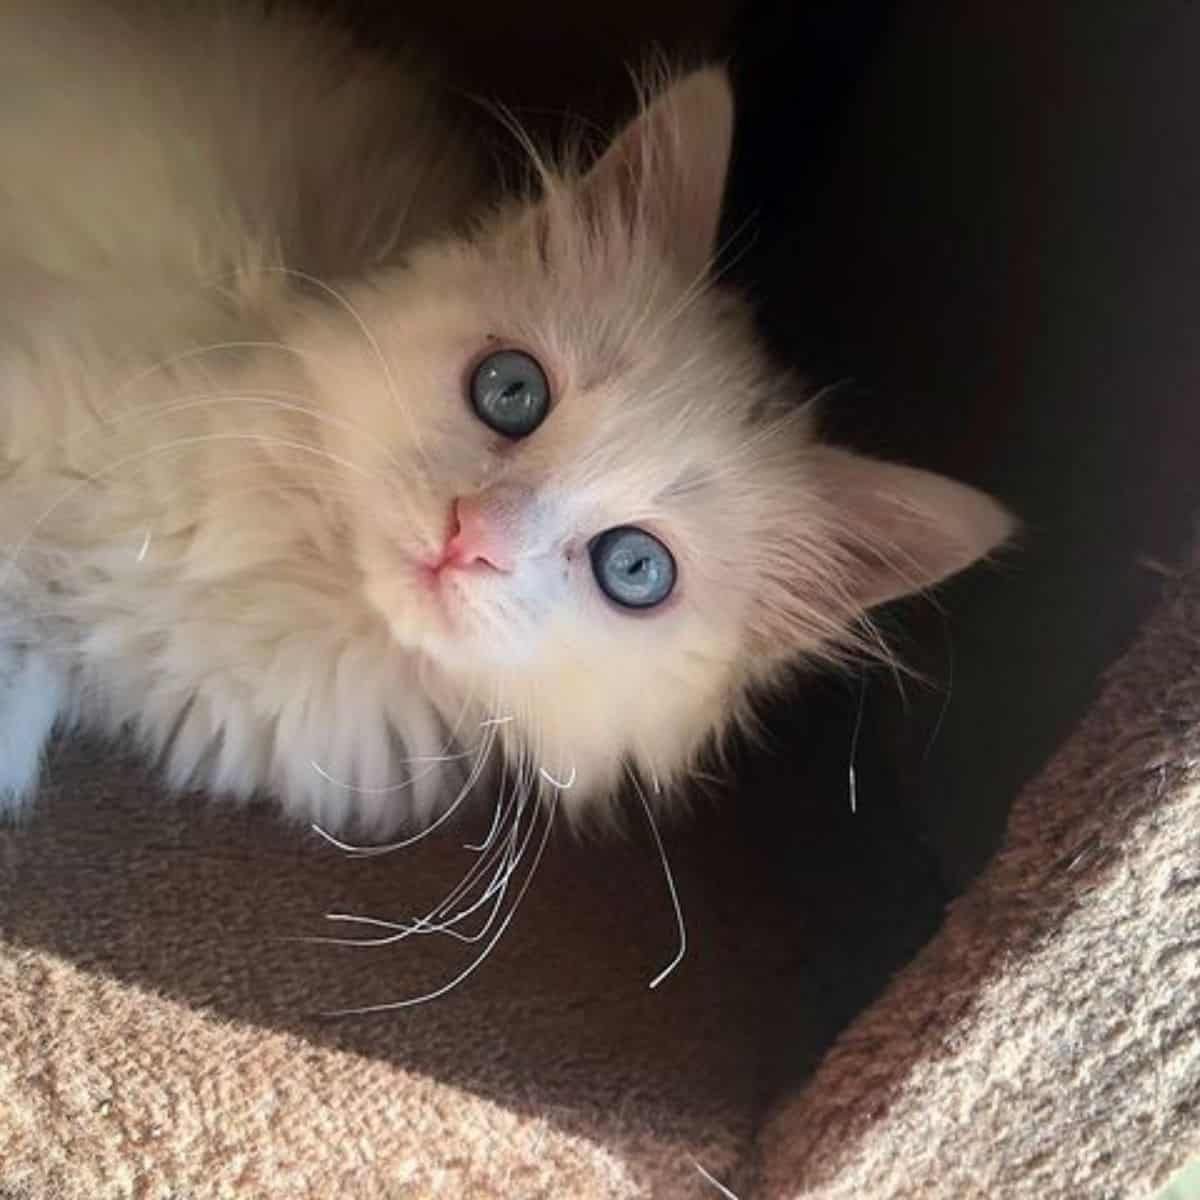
[581,491]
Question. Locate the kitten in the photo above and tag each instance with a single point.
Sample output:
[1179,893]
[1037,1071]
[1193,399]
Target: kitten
[320,475]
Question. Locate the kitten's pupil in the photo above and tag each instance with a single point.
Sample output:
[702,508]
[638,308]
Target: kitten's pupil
[510,394]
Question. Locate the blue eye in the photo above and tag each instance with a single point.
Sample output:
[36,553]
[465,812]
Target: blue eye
[510,394]
[633,568]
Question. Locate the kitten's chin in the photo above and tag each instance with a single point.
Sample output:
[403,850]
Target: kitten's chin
[411,616]
[425,619]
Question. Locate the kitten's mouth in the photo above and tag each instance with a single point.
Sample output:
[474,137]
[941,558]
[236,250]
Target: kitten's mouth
[444,587]
[448,576]
[441,599]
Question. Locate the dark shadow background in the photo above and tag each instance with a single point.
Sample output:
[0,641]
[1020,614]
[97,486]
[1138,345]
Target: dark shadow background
[995,241]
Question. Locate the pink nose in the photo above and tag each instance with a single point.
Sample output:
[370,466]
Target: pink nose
[474,538]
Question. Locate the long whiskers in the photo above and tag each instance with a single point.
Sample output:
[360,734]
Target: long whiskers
[510,853]
[359,851]
[500,926]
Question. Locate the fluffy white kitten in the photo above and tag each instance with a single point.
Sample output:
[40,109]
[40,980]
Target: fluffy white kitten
[319,476]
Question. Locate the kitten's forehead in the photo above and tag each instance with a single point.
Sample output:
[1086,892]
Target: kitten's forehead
[692,480]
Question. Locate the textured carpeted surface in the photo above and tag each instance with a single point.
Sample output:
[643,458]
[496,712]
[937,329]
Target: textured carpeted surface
[1047,1042]
[160,1039]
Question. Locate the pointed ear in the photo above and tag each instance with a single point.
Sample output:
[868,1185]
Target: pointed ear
[664,174]
[904,530]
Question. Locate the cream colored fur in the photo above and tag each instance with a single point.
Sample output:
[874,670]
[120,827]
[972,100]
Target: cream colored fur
[245,271]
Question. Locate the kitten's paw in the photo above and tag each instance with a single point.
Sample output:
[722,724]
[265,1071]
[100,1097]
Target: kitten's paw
[31,699]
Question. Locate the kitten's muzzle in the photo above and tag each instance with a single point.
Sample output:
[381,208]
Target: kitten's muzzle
[477,537]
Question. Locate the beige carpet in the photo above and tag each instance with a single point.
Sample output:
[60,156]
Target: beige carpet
[1047,1043]
[158,1040]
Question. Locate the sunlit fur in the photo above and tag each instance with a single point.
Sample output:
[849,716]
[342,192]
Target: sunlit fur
[244,275]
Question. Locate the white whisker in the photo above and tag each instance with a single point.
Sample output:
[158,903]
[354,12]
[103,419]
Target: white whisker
[714,1181]
[852,772]
[434,761]
[670,878]
[562,786]
[491,833]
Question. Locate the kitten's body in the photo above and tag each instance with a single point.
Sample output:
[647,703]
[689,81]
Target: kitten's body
[235,318]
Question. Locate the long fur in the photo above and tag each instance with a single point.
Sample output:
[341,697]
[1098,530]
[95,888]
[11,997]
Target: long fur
[244,271]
